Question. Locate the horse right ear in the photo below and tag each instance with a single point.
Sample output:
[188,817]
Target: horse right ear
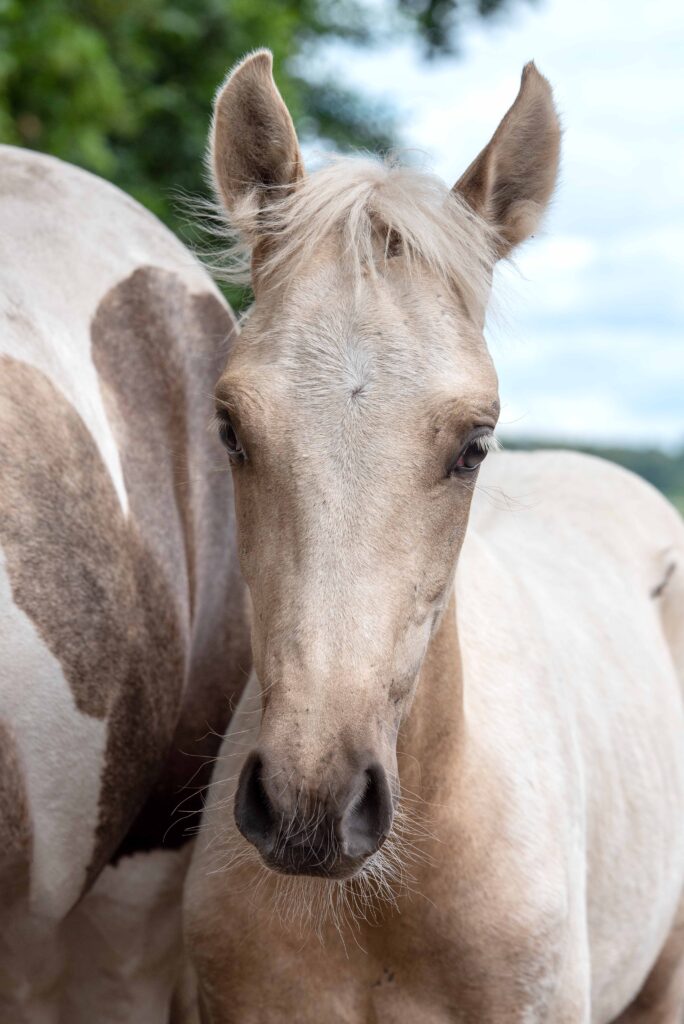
[253,144]
[510,183]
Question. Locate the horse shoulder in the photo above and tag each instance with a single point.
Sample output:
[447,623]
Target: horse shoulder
[572,692]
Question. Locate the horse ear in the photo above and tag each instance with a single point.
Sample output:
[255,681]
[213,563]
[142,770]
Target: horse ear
[253,145]
[511,181]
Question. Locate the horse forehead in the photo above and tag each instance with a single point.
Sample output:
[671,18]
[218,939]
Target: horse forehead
[349,351]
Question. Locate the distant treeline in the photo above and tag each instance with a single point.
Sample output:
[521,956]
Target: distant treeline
[665,471]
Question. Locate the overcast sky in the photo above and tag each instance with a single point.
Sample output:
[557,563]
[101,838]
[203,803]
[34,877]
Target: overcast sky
[592,341]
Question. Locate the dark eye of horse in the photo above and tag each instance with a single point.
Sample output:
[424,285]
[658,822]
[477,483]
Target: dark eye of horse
[230,440]
[472,455]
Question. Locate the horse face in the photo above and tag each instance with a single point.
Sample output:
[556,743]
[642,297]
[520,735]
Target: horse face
[355,408]
[355,419]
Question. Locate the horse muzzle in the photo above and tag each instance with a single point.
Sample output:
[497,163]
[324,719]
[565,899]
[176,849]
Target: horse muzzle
[298,831]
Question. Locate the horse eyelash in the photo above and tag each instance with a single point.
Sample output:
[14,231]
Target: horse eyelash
[488,443]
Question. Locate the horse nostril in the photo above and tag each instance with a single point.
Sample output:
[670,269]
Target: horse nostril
[316,840]
[366,824]
[254,813]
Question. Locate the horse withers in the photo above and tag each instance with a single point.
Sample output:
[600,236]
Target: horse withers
[122,629]
[454,789]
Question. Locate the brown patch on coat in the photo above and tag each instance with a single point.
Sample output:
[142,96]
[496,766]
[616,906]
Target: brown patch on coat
[143,374]
[146,613]
[84,575]
[15,822]
[158,351]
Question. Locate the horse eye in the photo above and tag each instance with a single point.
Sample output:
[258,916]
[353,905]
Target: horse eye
[472,455]
[230,440]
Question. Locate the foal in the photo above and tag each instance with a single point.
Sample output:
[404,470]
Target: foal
[458,772]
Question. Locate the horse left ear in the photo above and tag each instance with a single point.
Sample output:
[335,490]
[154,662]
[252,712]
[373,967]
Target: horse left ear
[253,144]
[511,181]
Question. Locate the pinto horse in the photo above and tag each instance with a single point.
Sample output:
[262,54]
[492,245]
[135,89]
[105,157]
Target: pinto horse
[122,629]
[454,788]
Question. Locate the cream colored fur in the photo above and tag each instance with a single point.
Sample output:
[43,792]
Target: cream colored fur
[513,667]
[372,206]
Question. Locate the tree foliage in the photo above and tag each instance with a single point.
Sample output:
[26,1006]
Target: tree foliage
[438,22]
[124,87]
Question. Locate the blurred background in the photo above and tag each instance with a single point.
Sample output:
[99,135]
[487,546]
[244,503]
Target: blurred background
[588,326]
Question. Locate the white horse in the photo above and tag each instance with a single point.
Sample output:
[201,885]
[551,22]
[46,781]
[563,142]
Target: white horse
[465,729]
[121,609]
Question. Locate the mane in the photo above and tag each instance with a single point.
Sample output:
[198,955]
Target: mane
[377,208]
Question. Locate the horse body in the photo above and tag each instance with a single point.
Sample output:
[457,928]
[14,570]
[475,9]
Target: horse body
[457,774]
[576,706]
[120,608]
[533,768]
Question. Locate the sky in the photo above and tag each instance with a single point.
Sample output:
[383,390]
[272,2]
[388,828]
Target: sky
[588,337]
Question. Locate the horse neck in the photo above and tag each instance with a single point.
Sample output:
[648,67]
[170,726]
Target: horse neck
[431,739]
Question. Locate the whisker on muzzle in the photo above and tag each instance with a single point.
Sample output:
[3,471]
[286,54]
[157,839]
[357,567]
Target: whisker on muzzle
[319,905]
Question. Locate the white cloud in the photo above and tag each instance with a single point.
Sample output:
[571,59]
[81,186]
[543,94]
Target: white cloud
[599,307]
